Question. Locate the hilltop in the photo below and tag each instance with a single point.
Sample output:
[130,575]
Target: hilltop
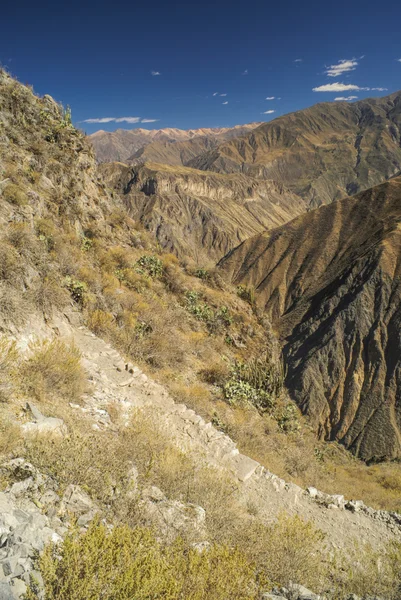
[321,153]
[177,146]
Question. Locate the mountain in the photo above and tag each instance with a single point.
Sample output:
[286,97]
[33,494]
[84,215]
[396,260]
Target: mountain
[198,214]
[331,282]
[126,145]
[321,153]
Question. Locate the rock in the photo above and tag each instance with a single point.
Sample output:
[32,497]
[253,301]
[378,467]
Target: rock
[154,494]
[19,588]
[42,424]
[312,491]
[338,500]
[172,517]
[302,593]
[5,592]
[76,501]
[354,505]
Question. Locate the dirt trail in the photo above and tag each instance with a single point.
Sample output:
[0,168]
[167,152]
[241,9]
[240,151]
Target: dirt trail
[258,487]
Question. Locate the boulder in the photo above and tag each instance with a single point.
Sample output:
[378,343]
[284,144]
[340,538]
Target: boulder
[42,424]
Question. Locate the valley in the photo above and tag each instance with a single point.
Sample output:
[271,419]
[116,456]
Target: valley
[199,356]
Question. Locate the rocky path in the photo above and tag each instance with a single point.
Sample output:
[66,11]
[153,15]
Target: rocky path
[129,387]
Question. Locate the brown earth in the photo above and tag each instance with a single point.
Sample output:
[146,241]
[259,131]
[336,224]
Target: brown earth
[197,214]
[321,153]
[127,145]
[330,282]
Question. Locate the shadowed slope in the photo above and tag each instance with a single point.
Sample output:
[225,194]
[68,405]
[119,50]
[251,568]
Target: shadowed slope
[331,280]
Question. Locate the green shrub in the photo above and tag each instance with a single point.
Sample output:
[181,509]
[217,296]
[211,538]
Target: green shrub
[202,274]
[247,294]
[76,288]
[214,319]
[258,382]
[127,564]
[15,195]
[150,264]
[53,368]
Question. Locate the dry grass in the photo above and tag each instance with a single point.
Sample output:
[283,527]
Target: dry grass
[53,368]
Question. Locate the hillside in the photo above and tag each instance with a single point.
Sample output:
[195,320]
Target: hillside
[145,431]
[199,215]
[330,281]
[321,153]
[125,145]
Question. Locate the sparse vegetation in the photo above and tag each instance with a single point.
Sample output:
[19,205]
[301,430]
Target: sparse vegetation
[258,382]
[53,368]
[185,327]
[130,563]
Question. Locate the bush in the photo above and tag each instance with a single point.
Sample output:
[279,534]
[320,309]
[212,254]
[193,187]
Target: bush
[258,382]
[77,289]
[366,572]
[15,195]
[130,563]
[247,294]
[10,437]
[53,368]
[214,319]
[11,268]
[150,264]
[9,357]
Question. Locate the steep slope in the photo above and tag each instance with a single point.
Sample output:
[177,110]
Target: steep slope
[198,214]
[330,280]
[322,153]
[123,144]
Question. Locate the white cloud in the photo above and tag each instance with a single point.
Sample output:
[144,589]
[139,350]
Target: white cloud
[344,99]
[154,73]
[338,87]
[225,102]
[216,94]
[268,112]
[245,72]
[298,60]
[270,98]
[343,66]
[222,95]
[119,120]
[102,120]
[398,59]
[127,120]
[346,87]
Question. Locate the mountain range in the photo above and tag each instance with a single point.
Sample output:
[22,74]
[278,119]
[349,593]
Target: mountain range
[298,210]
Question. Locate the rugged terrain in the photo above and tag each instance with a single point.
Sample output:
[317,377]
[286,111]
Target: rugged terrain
[143,399]
[174,146]
[197,214]
[321,153]
[330,281]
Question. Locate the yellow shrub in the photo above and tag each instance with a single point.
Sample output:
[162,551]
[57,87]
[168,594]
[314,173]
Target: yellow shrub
[130,563]
[9,358]
[53,368]
[15,195]
[101,322]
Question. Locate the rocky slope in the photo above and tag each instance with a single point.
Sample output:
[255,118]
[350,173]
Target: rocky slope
[197,214]
[321,153]
[330,280]
[124,145]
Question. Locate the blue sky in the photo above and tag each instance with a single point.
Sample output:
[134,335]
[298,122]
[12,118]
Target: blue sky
[99,57]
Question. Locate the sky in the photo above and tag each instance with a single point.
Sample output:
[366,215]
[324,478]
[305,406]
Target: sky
[190,65]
